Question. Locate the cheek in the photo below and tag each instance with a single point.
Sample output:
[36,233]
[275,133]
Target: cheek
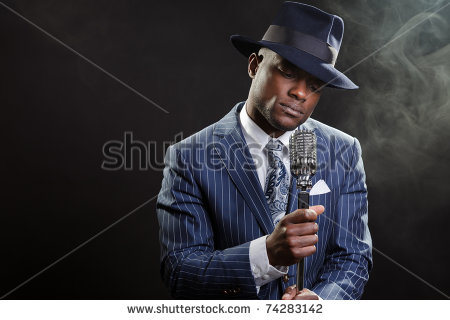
[312,105]
[267,86]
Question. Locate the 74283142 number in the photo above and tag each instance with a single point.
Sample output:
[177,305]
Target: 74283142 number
[294,308]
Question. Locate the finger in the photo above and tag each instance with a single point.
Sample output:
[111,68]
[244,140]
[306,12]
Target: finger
[300,216]
[306,294]
[318,209]
[301,229]
[306,297]
[300,253]
[289,293]
[304,215]
[305,291]
[302,241]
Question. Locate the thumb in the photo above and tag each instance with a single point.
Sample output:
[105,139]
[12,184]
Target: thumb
[318,209]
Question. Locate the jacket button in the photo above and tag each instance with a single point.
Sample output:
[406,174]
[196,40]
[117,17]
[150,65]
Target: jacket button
[285,278]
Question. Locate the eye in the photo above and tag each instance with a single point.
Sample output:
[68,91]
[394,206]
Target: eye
[316,88]
[287,74]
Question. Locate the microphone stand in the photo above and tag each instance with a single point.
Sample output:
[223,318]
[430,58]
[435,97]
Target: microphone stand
[303,203]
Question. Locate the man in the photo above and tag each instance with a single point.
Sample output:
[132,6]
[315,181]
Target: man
[229,228]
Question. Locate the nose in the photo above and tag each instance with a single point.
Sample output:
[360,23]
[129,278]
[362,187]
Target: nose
[299,90]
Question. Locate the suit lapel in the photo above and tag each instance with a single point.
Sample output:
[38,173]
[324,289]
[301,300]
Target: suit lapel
[235,155]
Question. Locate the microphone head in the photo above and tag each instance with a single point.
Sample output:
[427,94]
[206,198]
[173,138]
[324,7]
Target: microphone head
[303,156]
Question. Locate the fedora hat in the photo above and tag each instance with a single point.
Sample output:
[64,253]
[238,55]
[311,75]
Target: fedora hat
[307,37]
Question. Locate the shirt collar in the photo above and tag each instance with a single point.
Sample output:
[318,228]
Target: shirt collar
[284,138]
[256,134]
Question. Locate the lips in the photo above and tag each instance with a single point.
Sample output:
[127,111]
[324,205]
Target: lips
[294,111]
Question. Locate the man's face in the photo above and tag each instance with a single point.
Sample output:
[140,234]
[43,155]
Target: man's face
[282,96]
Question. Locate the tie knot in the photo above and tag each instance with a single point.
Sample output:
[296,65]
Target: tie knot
[274,145]
[274,152]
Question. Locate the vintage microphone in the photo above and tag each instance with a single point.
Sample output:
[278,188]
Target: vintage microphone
[303,158]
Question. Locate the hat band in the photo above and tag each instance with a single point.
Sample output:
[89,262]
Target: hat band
[301,41]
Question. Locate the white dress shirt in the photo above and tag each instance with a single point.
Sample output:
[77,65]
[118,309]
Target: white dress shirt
[256,140]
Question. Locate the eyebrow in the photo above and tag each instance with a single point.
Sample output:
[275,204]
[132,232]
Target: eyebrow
[284,63]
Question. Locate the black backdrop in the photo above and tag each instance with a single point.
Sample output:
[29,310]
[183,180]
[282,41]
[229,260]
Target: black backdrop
[59,111]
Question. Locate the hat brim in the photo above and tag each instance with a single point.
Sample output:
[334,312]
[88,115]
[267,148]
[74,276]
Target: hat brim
[305,61]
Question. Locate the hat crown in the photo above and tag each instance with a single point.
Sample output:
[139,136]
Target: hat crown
[307,37]
[310,20]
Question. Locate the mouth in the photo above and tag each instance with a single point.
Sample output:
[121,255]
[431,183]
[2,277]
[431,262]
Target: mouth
[292,110]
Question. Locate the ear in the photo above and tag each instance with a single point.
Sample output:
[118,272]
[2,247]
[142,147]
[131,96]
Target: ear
[253,64]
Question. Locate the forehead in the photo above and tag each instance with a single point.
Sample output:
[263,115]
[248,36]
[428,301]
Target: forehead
[277,59]
[280,61]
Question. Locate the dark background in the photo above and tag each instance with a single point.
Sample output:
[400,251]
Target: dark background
[58,111]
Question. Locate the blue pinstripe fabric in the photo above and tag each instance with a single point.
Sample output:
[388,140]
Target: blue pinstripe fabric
[211,205]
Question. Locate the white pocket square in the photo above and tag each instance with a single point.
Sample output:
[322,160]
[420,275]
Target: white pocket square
[320,187]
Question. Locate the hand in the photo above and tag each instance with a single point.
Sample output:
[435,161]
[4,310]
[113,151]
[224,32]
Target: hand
[291,293]
[294,237]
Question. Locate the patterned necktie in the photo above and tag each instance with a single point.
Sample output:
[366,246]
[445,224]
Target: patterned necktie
[277,181]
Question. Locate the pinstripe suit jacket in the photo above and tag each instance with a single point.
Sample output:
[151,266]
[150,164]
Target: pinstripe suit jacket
[211,205]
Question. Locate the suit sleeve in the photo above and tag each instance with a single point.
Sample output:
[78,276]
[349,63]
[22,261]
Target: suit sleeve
[349,254]
[190,265]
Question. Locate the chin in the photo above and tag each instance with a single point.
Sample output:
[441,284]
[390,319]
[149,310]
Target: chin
[287,123]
